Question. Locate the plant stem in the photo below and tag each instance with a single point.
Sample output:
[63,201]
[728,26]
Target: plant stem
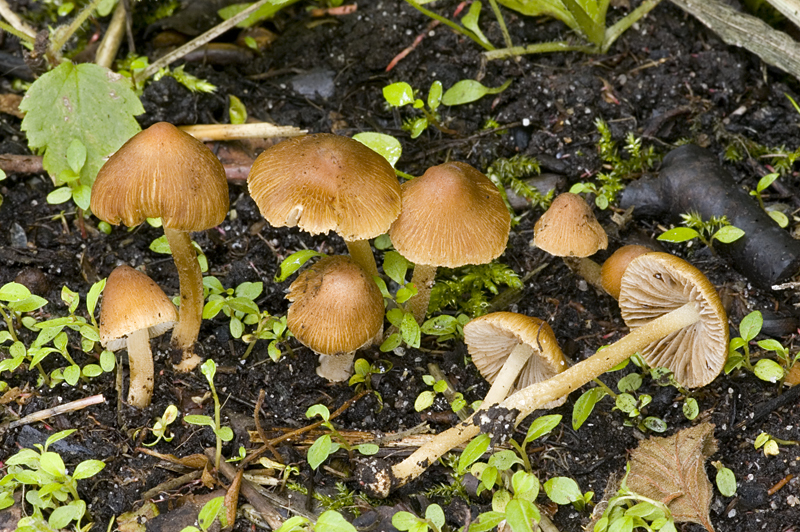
[603,385]
[613,33]
[539,48]
[15,32]
[499,16]
[447,22]
[19,27]
[109,46]
[217,423]
[62,36]
[10,324]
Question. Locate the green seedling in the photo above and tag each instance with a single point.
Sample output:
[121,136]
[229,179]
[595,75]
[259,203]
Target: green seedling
[294,262]
[725,479]
[469,23]
[611,183]
[193,83]
[401,94]
[237,304]
[330,521]
[237,112]
[763,183]
[717,228]
[765,368]
[265,12]
[49,489]
[324,446]
[628,510]
[161,425]
[16,300]
[209,369]
[208,514]
[770,444]
[425,399]
[268,327]
[160,245]
[434,520]
[363,372]
[386,145]
[406,330]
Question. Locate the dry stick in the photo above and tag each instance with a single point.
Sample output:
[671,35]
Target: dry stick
[539,394]
[205,38]
[262,505]
[41,415]
[261,395]
[172,484]
[215,132]
[109,46]
[16,22]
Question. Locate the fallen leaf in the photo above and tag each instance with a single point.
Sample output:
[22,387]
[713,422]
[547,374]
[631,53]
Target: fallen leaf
[672,470]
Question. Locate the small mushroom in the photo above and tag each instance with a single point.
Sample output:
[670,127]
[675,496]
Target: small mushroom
[453,215]
[509,348]
[614,267]
[134,310]
[676,319]
[162,172]
[323,183]
[336,309]
[570,230]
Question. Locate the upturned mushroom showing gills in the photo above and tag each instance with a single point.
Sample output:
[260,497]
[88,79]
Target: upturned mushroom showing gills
[165,173]
[134,310]
[323,183]
[513,351]
[453,215]
[336,309]
[676,320]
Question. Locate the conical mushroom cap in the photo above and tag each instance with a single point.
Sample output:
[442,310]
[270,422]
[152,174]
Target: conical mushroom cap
[657,283]
[569,228]
[453,215]
[324,183]
[491,338]
[336,308]
[131,302]
[614,267]
[162,172]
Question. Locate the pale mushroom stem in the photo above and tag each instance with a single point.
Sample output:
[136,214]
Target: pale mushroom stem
[423,279]
[586,268]
[508,374]
[336,368]
[361,253]
[140,360]
[539,394]
[190,313]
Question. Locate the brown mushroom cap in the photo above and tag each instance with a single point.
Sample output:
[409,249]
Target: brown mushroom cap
[131,302]
[326,183]
[336,308]
[615,265]
[491,339]
[453,215]
[162,172]
[569,228]
[657,283]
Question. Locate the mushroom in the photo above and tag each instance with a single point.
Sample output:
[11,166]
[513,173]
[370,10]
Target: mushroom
[453,215]
[324,183]
[509,348]
[614,267]
[162,172]
[673,311]
[134,310]
[570,230]
[336,309]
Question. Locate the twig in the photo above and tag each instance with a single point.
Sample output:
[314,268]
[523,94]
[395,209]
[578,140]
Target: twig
[109,46]
[249,490]
[16,22]
[172,484]
[339,411]
[41,415]
[205,38]
[215,132]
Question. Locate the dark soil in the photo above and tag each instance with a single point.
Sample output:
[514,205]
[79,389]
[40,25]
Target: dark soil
[668,80]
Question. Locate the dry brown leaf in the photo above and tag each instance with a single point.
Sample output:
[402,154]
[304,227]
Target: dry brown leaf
[672,470]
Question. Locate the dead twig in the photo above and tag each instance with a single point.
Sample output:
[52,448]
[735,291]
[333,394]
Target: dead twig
[41,415]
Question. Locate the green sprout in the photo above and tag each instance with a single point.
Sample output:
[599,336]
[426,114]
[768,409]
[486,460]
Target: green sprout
[716,228]
[763,183]
[433,520]
[770,444]
[739,351]
[324,446]
[161,425]
[209,369]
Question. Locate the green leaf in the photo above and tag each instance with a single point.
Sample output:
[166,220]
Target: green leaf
[264,12]
[87,468]
[86,103]
[562,490]
[424,400]
[626,402]
[224,433]
[728,234]
[417,126]
[781,219]
[59,196]
[294,262]
[76,155]
[395,266]
[61,517]
[771,345]
[655,424]
[435,514]
[391,343]
[690,408]
[209,512]
[72,374]
[332,521]
[91,370]
[319,451]
[541,426]
[409,330]
[526,485]
[404,520]
[435,95]
[318,410]
[52,464]
[473,451]
[726,482]
[236,110]
[750,326]
[766,181]
[209,369]
[249,290]
[584,406]
[469,90]
[520,514]
[504,460]
[768,370]
[160,245]
[93,295]
[404,293]
[398,94]
[487,521]
[679,234]
[470,21]
[199,420]
[368,449]
[14,292]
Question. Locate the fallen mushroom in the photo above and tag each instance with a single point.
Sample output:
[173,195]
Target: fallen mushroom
[453,215]
[692,180]
[324,183]
[682,317]
[513,351]
[165,173]
[134,310]
[336,309]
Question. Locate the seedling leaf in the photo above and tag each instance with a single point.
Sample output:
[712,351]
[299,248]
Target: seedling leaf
[398,94]
[85,104]
[332,521]
[469,90]
[729,234]
[768,370]
[385,145]
[679,234]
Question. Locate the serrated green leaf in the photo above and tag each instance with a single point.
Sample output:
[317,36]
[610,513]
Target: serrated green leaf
[86,103]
